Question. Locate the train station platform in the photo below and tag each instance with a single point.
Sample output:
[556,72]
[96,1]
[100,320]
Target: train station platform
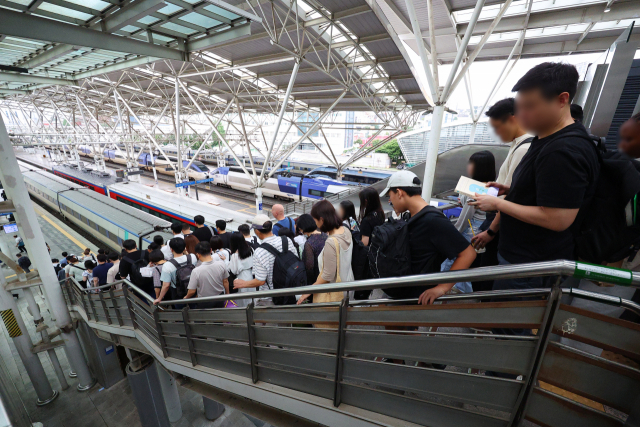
[225,198]
[100,406]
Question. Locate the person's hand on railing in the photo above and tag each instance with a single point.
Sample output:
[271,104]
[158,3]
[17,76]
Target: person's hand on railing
[430,295]
[303,298]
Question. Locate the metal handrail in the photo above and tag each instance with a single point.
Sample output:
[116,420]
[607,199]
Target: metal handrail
[605,299]
[512,271]
[123,281]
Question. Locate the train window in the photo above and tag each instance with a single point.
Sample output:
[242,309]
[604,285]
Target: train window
[317,193]
[113,237]
[101,230]
[92,224]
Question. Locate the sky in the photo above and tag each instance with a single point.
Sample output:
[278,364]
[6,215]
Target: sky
[484,74]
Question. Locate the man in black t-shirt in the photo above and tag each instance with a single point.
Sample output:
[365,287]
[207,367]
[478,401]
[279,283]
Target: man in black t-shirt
[432,237]
[203,232]
[554,180]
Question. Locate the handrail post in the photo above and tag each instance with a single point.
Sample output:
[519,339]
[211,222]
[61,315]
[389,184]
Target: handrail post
[132,315]
[187,329]
[116,307]
[93,306]
[342,332]
[544,333]
[163,344]
[252,343]
[104,307]
[86,305]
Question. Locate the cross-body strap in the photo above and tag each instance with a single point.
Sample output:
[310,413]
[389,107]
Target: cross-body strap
[270,249]
[293,227]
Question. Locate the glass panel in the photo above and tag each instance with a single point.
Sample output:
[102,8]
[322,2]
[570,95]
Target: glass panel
[147,20]
[169,9]
[65,12]
[197,19]
[178,28]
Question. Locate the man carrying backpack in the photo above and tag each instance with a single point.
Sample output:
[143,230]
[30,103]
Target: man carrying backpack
[132,267]
[264,263]
[176,272]
[554,181]
[429,237]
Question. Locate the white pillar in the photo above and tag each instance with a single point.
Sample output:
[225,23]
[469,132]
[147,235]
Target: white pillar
[34,241]
[432,151]
[23,344]
[258,200]
[472,134]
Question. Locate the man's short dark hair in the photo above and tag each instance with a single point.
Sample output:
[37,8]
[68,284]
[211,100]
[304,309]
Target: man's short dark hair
[89,265]
[198,219]
[158,239]
[113,256]
[176,227]
[19,255]
[56,260]
[203,248]
[502,110]
[100,251]
[129,244]
[156,256]
[551,78]
[185,226]
[576,113]
[221,224]
[101,258]
[411,191]
[64,254]
[153,246]
[266,227]
[244,229]
[177,245]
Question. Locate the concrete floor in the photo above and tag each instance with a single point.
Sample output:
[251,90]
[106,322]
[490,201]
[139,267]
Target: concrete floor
[99,407]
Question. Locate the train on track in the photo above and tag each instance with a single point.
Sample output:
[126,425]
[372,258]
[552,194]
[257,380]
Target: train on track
[284,186]
[158,203]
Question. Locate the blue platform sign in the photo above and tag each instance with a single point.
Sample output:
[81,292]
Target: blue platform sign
[188,183]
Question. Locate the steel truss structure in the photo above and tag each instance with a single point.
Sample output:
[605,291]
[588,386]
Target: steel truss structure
[299,66]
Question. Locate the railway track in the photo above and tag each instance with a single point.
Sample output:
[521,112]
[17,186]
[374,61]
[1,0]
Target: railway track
[267,202]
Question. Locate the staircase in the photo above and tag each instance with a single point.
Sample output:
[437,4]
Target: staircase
[332,373]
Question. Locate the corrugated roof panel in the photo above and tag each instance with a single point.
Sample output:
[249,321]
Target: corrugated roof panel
[50,181]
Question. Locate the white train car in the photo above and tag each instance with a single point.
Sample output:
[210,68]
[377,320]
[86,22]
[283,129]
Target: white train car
[106,219]
[172,207]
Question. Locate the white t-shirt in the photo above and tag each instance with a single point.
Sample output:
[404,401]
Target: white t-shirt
[166,250]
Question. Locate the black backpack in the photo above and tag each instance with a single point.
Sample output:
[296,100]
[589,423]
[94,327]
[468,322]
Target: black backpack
[183,274]
[359,263]
[254,243]
[136,277]
[389,254]
[288,271]
[603,233]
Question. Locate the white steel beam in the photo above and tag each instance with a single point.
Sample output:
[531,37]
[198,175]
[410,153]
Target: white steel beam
[415,24]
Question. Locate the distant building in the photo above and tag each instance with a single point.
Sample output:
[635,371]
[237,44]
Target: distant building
[414,144]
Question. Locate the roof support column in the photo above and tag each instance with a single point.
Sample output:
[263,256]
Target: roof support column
[432,151]
[34,241]
[421,49]
[283,109]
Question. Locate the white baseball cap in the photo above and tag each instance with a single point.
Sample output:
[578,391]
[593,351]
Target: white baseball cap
[258,222]
[402,179]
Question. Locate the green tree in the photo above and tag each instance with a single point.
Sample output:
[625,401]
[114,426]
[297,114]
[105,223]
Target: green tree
[392,148]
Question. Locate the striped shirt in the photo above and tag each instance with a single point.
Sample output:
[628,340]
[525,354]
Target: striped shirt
[263,261]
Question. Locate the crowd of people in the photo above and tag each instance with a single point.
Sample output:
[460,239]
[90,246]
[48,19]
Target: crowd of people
[548,178]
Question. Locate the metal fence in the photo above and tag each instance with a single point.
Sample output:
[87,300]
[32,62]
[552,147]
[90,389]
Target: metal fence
[384,356]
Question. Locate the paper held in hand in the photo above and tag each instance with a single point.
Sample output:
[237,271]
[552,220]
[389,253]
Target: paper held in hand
[469,187]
